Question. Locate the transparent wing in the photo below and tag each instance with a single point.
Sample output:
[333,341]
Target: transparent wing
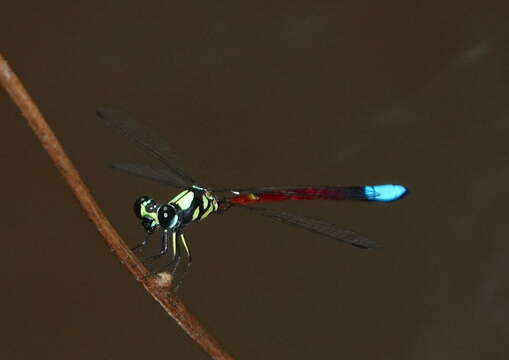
[316,226]
[144,138]
[160,175]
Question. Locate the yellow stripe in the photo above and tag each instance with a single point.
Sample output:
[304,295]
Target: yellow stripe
[179,196]
[186,200]
[174,243]
[207,212]
[185,245]
[196,213]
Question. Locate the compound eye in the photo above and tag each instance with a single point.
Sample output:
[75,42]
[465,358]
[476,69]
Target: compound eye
[138,204]
[166,216]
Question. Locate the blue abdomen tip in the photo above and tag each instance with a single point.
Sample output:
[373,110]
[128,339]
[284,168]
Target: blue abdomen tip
[385,193]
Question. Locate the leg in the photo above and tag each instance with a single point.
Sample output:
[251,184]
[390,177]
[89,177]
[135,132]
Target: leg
[176,257]
[142,244]
[188,265]
[183,240]
[164,248]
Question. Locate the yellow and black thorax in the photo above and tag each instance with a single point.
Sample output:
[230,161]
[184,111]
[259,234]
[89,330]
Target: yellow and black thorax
[194,204]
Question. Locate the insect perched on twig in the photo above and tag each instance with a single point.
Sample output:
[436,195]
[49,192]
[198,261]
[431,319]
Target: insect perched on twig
[195,202]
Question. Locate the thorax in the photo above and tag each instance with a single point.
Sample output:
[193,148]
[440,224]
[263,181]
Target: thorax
[194,204]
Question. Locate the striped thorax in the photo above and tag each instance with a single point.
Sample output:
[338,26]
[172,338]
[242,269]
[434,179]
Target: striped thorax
[194,204]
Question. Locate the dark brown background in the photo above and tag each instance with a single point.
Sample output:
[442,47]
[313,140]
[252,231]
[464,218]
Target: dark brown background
[265,93]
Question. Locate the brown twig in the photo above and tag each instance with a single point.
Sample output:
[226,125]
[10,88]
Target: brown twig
[159,290]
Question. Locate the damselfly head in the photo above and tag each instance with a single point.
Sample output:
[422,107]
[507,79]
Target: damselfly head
[144,206]
[145,209]
[167,216]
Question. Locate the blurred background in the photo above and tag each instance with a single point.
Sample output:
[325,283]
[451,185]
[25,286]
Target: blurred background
[265,93]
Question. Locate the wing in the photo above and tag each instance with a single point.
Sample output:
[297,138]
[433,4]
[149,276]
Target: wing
[316,226]
[160,175]
[145,139]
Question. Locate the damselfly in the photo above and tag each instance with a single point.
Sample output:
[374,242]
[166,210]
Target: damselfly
[195,202]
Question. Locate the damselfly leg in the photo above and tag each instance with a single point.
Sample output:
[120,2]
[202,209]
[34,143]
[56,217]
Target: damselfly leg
[174,264]
[142,244]
[165,239]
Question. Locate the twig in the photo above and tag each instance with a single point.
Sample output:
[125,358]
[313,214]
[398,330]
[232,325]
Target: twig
[159,290]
